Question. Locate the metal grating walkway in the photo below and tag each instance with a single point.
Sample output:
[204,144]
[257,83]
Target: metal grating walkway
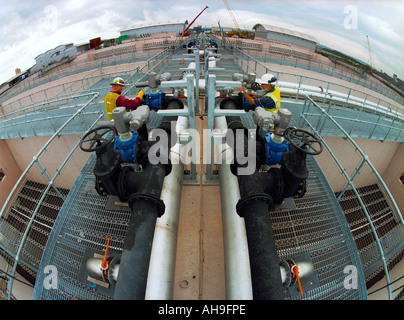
[83,223]
[317,226]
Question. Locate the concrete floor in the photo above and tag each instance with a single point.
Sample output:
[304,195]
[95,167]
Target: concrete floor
[200,257]
[199,271]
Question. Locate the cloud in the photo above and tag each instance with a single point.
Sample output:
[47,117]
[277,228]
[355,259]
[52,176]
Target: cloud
[46,29]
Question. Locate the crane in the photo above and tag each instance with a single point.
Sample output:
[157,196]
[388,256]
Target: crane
[185,33]
[234,18]
[221,31]
[370,55]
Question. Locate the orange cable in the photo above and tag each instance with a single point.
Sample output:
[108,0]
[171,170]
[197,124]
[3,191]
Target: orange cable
[104,261]
[298,279]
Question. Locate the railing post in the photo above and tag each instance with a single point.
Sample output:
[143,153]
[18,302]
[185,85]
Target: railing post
[210,88]
[377,240]
[350,181]
[191,109]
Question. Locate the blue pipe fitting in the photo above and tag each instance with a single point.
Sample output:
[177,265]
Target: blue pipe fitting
[127,148]
[153,100]
[275,149]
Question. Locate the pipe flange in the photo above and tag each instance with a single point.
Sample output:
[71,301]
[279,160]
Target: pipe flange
[278,197]
[122,194]
[255,197]
[99,187]
[289,281]
[112,263]
[147,197]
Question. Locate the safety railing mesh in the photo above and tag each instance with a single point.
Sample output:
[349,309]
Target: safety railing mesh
[362,114]
[371,212]
[30,210]
[84,224]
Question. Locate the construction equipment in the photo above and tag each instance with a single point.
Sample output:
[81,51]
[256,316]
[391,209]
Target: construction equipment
[221,31]
[240,33]
[370,55]
[234,18]
[185,32]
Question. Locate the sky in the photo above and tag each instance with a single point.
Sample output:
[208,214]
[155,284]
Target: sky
[29,28]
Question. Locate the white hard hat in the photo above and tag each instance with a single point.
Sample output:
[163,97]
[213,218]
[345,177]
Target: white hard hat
[118,81]
[266,79]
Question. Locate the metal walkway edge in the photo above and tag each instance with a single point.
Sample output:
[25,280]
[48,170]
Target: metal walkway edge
[83,224]
[317,226]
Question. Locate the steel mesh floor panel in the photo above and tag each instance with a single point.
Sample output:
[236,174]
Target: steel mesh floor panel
[83,222]
[317,226]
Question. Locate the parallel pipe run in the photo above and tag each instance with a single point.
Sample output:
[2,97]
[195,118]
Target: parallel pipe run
[127,169]
[146,205]
[264,264]
[142,190]
[254,207]
[134,262]
[251,260]
[259,191]
[237,263]
[160,281]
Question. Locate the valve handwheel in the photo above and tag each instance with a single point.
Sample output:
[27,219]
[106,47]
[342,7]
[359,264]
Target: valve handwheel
[255,86]
[304,140]
[97,139]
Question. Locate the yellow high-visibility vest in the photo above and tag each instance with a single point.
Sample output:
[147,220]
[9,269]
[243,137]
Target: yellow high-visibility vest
[110,103]
[276,97]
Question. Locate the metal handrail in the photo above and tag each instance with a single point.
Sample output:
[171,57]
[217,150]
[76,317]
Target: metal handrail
[328,83]
[257,62]
[34,106]
[65,86]
[365,157]
[350,180]
[35,158]
[50,185]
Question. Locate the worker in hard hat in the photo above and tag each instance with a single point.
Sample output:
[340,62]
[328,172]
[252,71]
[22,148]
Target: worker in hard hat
[271,100]
[115,98]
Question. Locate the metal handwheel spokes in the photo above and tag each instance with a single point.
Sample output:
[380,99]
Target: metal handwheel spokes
[304,140]
[97,139]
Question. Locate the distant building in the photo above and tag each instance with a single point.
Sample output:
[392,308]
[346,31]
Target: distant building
[285,35]
[53,55]
[147,30]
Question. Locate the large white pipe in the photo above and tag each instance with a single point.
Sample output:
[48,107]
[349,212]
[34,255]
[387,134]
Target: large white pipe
[237,261]
[160,281]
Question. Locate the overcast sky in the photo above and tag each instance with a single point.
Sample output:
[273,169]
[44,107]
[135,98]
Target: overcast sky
[29,28]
